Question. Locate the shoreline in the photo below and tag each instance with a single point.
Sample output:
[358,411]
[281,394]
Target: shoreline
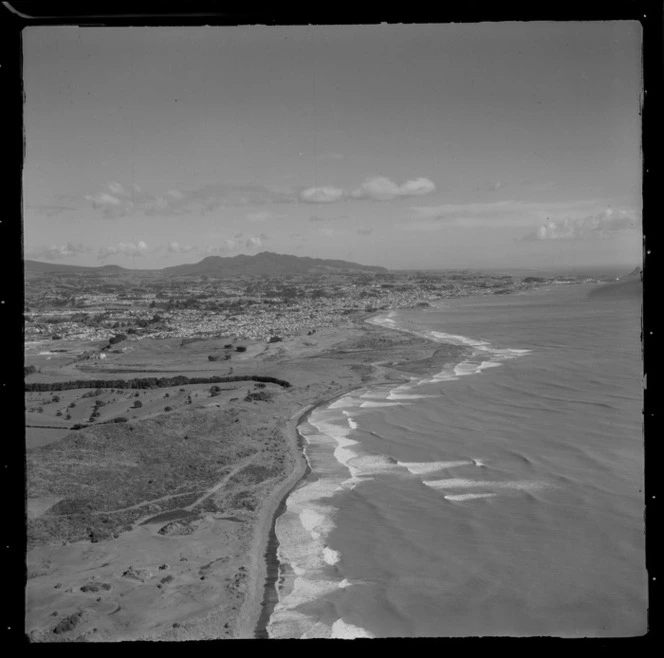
[270,567]
[272,564]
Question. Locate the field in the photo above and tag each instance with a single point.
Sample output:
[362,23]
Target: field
[155,527]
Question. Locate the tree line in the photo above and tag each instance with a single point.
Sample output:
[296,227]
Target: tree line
[149,382]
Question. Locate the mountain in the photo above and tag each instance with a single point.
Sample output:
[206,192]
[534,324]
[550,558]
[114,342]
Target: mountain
[266,263]
[35,266]
[627,286]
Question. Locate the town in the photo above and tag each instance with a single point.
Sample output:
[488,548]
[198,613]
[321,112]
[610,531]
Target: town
[262,308]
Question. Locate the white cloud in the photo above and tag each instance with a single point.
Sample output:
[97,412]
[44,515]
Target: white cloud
[260,216]
[124,249]
[57,252]
[380,188]
[177,248]
[322,194]
[515,214]
[605,224]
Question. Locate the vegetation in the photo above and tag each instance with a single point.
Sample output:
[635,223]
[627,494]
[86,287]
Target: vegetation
[147,383]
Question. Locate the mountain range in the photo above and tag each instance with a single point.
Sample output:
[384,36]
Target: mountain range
[265,263]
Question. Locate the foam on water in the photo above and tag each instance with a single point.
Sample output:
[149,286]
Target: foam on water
[422,468]
[461,497]
[460,483]
[342,630]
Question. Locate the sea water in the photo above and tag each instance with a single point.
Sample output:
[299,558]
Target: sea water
[501,496]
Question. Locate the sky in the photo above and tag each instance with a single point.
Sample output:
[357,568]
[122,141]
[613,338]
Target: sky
[488,145]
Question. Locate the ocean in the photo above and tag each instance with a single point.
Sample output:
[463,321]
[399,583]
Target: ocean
[501,496]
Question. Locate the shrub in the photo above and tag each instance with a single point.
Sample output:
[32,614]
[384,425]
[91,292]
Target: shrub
[137,404]
[118,338]
[228,346]
[55,398]
[29,370]
[215,390]
[212,357]
[240,348]
[275,339]
[168,408]
[263,396]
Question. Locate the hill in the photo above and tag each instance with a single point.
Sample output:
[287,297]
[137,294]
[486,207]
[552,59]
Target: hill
[266,263]
[37,267]
[628,286]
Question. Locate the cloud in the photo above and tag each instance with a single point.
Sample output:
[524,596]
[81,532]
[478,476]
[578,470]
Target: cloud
[122,201]
[380,188]
[317,218]
[515,214]
[50,210]
[124,249]
[258,216]
[237,243]
[262,216]
[116,188]
[177,248]
[57,252]
[606,224]
[322,194]
[119,200]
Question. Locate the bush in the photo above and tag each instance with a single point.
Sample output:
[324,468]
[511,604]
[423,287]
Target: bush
[263,396]
[168,408]
[215,390]
[55,398]
[56,337]
[228,346]
[137,404]
[275,339]
[211,357]
[240,348]
[29,370]
[118,338]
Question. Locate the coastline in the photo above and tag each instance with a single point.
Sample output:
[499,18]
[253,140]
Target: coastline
[261,609]
[270,596]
